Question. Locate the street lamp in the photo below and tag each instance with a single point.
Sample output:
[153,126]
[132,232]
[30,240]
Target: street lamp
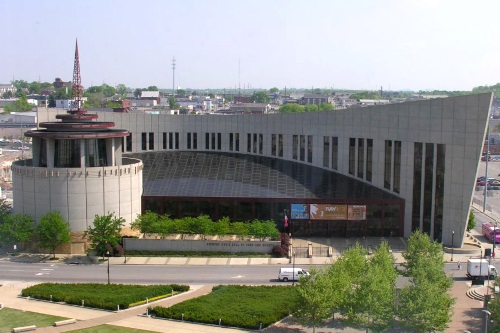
[293,269]
[107,253]
[452,245]
[486,319]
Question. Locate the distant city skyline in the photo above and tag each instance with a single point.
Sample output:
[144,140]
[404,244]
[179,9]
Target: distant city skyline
[362,44]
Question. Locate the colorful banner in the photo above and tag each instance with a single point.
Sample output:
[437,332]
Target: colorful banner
[356,212]
[328,212]
[300,212]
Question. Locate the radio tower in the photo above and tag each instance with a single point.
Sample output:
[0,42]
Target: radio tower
[76,85]
[173,77]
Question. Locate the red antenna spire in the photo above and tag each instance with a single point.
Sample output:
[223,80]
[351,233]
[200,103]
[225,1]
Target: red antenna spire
[76,87]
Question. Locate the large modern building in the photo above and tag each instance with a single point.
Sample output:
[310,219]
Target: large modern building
[374,171]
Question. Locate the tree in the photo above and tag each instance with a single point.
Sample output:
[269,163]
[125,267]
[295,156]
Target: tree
[421,245]
[21,105]
[53,231]
[471,224]
[5,209]
[35,88]
[152,88]
[137,93]
[108,90]
[325,107]
[106,231]
[289,108]
[274,90]
[16,229]
[121,89]
[311,108]
[375,296]
[7,94]
[172,103]
[315,298]
[181,92]
[260,97]
[146,223]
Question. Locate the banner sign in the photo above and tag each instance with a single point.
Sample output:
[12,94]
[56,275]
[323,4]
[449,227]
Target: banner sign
[356,212]
[300,212]
[328,212]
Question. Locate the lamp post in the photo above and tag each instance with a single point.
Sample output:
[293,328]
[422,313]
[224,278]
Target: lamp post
[293,269]
[452,245]
[107,253]
[486,319]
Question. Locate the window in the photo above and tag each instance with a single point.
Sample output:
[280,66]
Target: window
[219,141]
[207,141]
[170,140]
[280,145]
[67,154]
[439,196]
[255,143]
[261,143]
[428,186]
[352,155]
[326,151]
[302,147]
[369,159]
[213,141]
[188,140]
[151,141]
[231,136]
[144,145]
[237,141]
[417,185]
[164,137]
[387,164]
[195,140]
[335,152]
[95,153]
[361,157]
[42,156]
[249,143]
[295,145]
[273,144]
[176,140]
[122,144]
[129,142]
[310,148]
[397,166]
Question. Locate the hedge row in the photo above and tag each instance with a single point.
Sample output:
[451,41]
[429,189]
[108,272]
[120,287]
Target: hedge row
[236,306]
[101,296]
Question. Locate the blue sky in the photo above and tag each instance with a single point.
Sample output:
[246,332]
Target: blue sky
[356,44]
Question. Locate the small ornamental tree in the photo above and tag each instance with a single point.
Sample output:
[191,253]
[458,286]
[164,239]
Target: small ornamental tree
[106,231]
[471,224]
[16,229]
[52,231]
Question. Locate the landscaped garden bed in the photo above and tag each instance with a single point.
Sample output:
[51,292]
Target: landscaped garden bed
[102,296]
[249,307]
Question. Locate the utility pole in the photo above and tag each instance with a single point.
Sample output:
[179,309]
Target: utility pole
[173,76]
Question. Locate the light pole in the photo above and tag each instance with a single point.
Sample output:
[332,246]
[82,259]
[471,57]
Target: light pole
[107,253]
[293,269]
[486,319]
[452,245]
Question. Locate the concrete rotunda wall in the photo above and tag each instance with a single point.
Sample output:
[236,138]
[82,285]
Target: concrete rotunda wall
[79,193]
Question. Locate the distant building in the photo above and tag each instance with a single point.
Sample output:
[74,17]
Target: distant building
[7,87]
[253,108]
[368,102]
[58,83]
[242,99]
[317,99]
[151,96]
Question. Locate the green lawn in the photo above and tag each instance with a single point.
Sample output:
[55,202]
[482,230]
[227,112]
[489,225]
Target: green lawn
[110,329]
[10,318]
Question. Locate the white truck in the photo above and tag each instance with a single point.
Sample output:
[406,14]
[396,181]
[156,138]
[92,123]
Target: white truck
[291,274]
[480,268]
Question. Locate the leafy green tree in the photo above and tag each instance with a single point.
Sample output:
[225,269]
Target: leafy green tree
[137,93]
[108,90]
[7,94]
[311,108]
[5,209]
[205,225]
[315,299]
[94,89]
[274,90]
[471,224]
[239,229]
[121,89]
[146,223]
[52,231]
[289,108]
[35,88]
[62,93]
[421,245]
[494,308]
[164,226]
[222,227]
[172,103]
[366,95]
[20,84]
[375,295]
[152,88]
[260,97]
[326,107]
[21,105]
[16,229]
[105,231]
[181,92]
